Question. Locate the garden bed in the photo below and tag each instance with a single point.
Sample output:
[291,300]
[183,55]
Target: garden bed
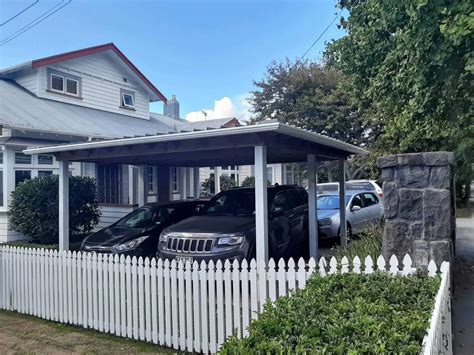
[376,313]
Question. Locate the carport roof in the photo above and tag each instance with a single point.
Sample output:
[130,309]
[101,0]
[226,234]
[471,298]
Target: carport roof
[212,147]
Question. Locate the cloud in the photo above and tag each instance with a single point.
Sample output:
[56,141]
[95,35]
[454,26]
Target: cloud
[226,107]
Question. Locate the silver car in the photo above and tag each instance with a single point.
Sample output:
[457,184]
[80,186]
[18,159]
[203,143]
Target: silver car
[363,210]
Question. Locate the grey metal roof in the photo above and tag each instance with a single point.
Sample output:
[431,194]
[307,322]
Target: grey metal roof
[22,110]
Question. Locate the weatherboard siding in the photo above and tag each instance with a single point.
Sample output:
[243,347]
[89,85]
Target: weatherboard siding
[101,82]
[27,79]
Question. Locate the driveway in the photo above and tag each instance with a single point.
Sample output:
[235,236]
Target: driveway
[463,300]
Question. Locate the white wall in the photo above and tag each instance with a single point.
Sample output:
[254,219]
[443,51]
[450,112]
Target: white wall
[101,81]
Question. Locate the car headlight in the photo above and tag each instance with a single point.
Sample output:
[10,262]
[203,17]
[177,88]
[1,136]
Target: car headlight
[132,244]
[230,239]
[163,237]
[325,222]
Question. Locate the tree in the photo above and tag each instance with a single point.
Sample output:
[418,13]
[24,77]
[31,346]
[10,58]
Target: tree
[409,66]
[249,181]
[34,207]
[309,96]
[226,183]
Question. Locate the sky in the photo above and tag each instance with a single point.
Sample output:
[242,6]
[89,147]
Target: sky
[205,52]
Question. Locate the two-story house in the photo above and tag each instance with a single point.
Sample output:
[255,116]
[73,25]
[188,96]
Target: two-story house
[92,94]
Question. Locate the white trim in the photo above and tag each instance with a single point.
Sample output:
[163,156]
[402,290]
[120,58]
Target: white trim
[220,132]
[51,82]
[124,103]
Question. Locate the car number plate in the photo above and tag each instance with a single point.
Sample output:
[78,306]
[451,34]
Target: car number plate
[184,259]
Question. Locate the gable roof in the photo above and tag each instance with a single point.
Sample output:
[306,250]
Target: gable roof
[19,109]
[37,63]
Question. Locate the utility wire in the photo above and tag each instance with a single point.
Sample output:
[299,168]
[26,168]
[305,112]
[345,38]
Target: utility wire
[35,22]
[18,14]
[318,38]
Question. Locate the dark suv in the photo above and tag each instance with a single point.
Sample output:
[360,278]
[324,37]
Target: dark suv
[225,227]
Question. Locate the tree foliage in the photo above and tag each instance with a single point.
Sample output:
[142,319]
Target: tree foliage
[226,183]
[310,96]
[409,66]
[34,207]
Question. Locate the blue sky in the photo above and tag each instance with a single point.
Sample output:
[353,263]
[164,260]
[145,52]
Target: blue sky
[202,51]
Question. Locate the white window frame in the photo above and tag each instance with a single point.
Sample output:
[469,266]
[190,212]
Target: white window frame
[51,82]
[65,86]
[174,179]
[124,104]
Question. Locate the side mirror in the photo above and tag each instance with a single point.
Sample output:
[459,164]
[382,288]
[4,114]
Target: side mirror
[355,208]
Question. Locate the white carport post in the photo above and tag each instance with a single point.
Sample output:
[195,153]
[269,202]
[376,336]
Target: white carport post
[63,205]
[217,179]
[183,182]
[261,203]
[342,202]
[312,207]
[142,185]
[196,185]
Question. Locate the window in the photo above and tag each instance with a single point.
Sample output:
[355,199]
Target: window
[370,199]
[270,174]
[57,83]
[72,86]
[109,181]
[1,187]
[150,179]
[280,203]
[357,201]
[22,175]
[1,157]
[128,99]
[21,158]
[45,159]
[64,83]
[42,173]
[174,179]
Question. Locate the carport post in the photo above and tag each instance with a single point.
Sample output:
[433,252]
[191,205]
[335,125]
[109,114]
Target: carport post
[196,185]
[261,203]
[142,186]
[217,179]
[63,205]
[342,202]
[312,207]
[182,180]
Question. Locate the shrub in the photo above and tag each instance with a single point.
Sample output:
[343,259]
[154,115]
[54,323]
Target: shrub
[368,243]
[344,314]
[226,183]
[34,207]
[249,181]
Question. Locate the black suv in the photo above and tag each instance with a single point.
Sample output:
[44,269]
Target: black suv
[225,227]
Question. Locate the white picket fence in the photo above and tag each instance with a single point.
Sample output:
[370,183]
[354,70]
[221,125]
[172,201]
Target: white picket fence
[189,307]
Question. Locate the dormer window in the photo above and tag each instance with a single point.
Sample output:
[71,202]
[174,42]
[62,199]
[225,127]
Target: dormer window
[64,83]
[127,99]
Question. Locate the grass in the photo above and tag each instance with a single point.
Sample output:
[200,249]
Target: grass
[23,334]
[368,243]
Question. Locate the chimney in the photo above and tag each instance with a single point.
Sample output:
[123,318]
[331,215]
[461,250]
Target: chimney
[172,107]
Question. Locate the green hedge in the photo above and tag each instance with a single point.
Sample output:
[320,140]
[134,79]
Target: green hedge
[34,207]
[342,314]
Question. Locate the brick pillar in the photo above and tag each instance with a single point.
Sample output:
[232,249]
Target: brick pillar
[419,207]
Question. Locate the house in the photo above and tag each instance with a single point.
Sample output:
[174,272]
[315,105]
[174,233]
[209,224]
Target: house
[92,94]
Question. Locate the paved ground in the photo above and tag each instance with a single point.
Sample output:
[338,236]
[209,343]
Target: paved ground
[463,301]
[21,334]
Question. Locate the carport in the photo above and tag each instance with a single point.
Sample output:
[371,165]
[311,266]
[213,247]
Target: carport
[265,143]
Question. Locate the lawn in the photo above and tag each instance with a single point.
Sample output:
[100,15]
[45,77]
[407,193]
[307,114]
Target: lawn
[26,334]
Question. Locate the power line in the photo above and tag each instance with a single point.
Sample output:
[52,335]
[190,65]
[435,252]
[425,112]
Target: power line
[35,22]
[18,14]
[318,38]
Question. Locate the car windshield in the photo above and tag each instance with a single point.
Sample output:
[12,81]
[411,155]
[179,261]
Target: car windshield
[231,203]
[145,217]
[330,202]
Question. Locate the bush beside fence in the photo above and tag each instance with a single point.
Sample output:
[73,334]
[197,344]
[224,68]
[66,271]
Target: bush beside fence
[190,307]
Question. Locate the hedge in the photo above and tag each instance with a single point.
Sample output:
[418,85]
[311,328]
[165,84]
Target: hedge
[340,314]
[34,207]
